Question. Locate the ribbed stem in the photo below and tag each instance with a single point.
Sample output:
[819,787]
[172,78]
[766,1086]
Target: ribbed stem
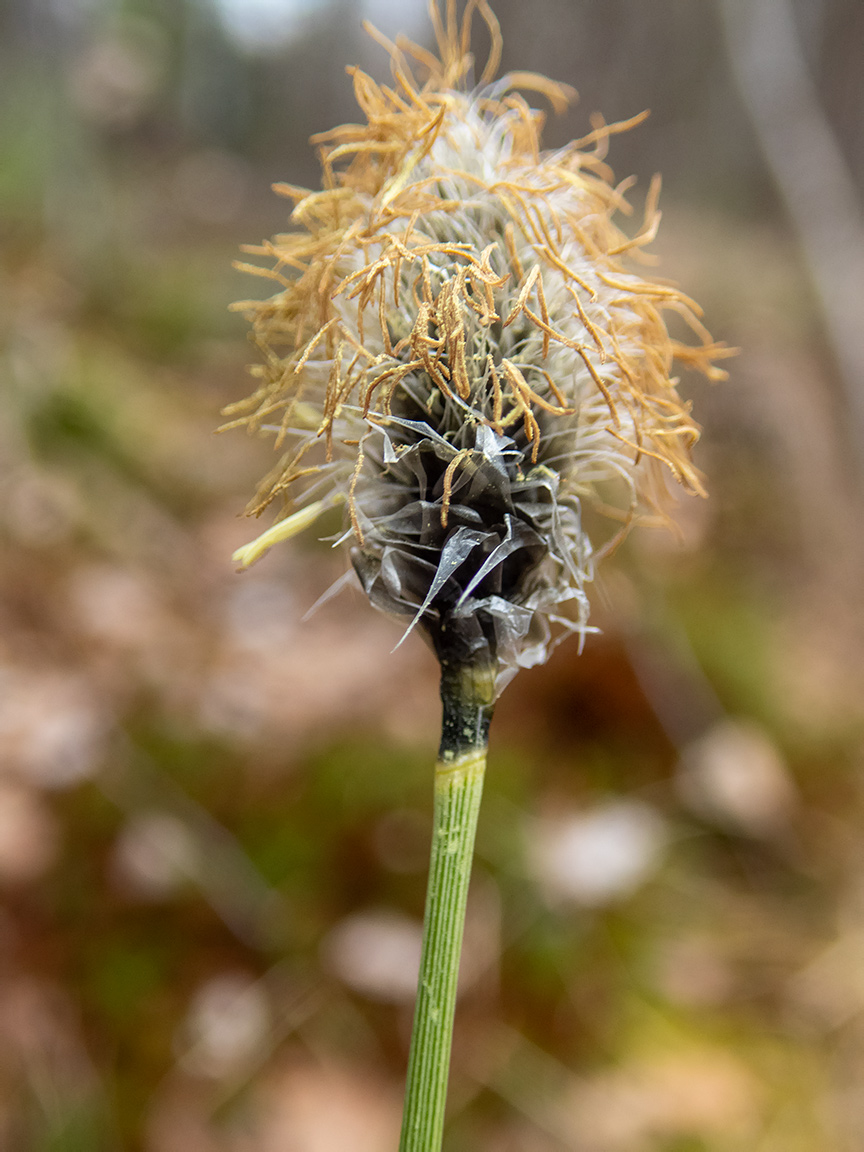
[466,694]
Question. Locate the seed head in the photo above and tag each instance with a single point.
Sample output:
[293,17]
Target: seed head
[461,354]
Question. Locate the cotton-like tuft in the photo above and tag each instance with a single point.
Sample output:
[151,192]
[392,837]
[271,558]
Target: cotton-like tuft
[461,354]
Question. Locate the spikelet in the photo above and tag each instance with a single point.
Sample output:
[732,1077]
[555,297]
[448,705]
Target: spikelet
[461,353]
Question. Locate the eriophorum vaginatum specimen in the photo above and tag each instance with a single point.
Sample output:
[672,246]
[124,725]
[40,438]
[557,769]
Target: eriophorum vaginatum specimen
[460,352]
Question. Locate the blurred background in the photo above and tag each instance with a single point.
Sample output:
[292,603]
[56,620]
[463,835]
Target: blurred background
[214,817]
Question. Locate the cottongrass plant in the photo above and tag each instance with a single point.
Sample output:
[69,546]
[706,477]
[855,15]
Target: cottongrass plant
[461,355]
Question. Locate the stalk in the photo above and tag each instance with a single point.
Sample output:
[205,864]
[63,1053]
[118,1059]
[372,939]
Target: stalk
[466,693]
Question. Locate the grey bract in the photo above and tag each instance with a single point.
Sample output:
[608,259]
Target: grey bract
[511,561]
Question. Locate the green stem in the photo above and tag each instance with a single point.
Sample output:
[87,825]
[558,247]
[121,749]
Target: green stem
[467,695]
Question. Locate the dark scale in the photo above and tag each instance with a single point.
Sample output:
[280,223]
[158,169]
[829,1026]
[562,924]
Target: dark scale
[496,534]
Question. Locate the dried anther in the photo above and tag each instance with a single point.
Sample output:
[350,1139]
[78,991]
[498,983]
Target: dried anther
[458,350]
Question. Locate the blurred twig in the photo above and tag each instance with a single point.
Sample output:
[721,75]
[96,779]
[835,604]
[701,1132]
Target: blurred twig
[813,179]
[228,880]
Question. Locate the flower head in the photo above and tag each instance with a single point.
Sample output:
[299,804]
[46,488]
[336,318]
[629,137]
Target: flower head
[461,354]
